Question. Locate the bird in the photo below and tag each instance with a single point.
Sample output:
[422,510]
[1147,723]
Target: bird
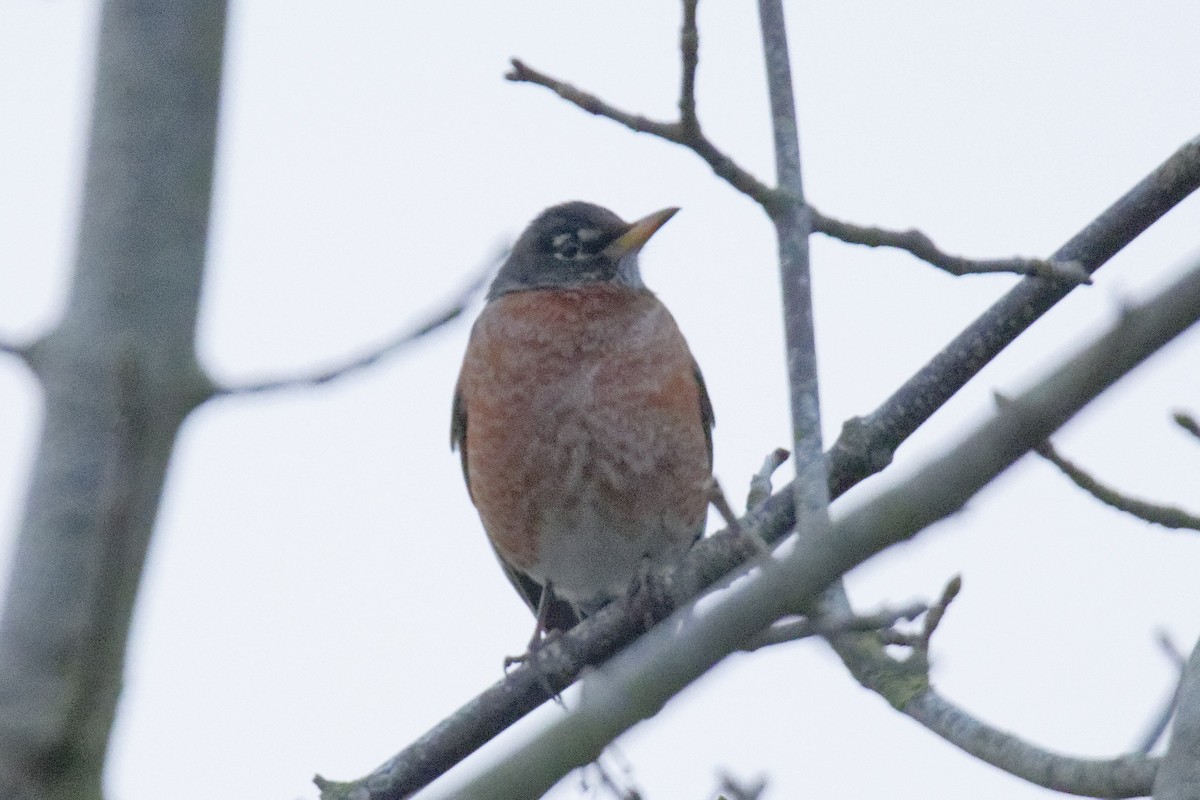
[582,419]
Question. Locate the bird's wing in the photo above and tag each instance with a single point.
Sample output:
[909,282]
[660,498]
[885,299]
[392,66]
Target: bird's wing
[707,418]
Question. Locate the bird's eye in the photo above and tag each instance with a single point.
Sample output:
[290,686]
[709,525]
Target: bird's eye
[566,246]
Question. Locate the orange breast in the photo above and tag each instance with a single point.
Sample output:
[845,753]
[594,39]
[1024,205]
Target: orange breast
[583,422]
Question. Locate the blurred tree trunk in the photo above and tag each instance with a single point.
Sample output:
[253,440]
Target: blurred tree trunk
[118,375]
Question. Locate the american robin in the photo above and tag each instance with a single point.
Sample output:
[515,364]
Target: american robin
[583,421]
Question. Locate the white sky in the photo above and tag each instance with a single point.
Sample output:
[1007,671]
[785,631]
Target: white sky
[319,591]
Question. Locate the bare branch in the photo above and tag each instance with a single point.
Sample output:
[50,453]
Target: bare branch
[796,629]
[1187,422]
[760,484]
[1125,776]
[689,56]
[934,617]
[523,73]
[921,246]
[118,377]
[1158,727]
[1179,774]
[686,131]
[793,226]
[452,311]
[1167,516]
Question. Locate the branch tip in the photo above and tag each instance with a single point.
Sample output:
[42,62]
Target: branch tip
[1154,513]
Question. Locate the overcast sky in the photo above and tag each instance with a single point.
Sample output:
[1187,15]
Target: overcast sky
[320,591]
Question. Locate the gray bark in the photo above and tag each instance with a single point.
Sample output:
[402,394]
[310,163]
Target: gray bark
[118,375]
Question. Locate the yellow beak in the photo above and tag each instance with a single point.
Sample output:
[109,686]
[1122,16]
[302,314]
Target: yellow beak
[638,234]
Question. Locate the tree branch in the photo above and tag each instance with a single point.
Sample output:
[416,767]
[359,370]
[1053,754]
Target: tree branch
[793,226]
[1159,726]
[1167,516]
[1179,775]
[918,244]
[118,375]
[794,630]
[686,131]
[1126,776]
[452,311]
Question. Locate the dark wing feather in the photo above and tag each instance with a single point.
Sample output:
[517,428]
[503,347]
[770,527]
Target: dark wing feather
[707,417]
[458,435]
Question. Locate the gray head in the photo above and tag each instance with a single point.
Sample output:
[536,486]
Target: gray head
[576,244]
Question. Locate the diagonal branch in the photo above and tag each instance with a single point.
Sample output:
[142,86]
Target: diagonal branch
[686,131]
[1167,516]
[918,244]
[452,311]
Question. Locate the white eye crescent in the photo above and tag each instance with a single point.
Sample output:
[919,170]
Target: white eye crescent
[588,234]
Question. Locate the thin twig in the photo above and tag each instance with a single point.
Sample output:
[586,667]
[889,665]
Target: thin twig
[760,483]
[1158,727]
[452,311]
[1171,650]
[934,617]
[1167,516]
[686,132]
[716,496]
[1187,422]
[793,630]
[689,56]
[918,244]
[1178,775]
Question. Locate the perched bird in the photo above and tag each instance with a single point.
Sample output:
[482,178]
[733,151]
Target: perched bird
[583,421]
